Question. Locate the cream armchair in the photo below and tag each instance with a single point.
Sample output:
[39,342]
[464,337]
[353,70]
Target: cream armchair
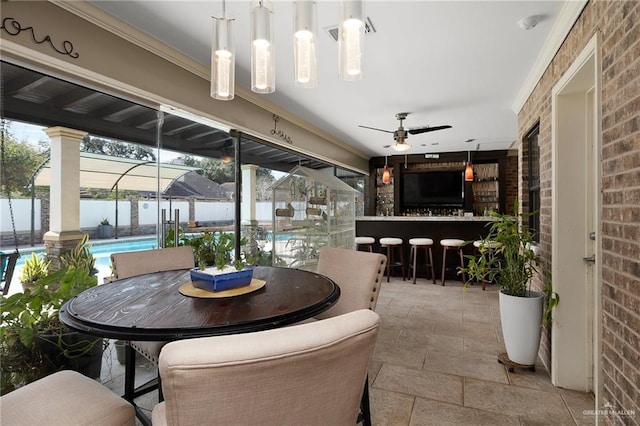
[65,398]
[359,275]
[134,263]
[311,374]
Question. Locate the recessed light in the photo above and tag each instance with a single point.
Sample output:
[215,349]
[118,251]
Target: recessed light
[470,140]
[435,143]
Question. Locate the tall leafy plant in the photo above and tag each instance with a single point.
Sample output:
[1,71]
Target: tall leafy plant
[505,255]
[26,318]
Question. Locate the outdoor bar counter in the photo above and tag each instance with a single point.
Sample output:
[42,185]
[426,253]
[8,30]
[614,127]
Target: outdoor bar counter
[468,228]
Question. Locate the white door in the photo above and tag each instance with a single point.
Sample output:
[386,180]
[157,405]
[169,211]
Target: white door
[575,223]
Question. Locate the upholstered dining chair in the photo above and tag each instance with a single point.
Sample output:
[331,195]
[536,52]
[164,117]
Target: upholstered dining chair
[65,398]
[134,263]
[310,373]
[359,276]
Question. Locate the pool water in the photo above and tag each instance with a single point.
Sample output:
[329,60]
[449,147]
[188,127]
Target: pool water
[101,250]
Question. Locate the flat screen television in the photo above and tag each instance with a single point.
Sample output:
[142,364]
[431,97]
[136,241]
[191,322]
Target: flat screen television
[433,188]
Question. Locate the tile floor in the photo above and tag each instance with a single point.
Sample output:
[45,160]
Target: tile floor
[435,363]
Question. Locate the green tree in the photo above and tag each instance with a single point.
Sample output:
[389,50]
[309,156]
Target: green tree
[212,168]
[115,148]
[20,161]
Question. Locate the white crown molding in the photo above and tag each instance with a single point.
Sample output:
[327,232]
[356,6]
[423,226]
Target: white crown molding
[98,17]
[566,18]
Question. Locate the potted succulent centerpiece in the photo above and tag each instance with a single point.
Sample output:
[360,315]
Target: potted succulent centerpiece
[216,270]
[105,229]
[506,258]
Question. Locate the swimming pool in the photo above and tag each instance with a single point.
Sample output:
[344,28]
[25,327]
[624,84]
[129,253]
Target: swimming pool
[101,250]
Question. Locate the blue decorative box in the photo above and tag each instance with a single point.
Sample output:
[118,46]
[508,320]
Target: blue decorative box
[220,281]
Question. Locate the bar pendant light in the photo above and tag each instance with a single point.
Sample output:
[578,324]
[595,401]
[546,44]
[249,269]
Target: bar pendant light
[262,49]
[386,174]
[351,39]
[304,43]
[468,171]
[223,61]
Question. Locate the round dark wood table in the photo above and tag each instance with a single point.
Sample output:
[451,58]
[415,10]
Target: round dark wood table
[150,307]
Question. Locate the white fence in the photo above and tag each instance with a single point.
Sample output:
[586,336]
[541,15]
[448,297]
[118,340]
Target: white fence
[92,212]
[21,214]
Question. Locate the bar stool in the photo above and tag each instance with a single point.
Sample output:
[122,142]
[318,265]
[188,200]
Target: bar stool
[481,246]
[365,243]
[393,245]
[452,244]
[425,244]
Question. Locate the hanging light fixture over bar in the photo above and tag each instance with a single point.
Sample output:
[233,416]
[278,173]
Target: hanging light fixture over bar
[262,49]
[223,60]
[304,43]
[351,39]
[386,173]
[468,171]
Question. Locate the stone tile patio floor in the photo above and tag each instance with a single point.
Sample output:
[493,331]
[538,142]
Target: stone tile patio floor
[435,363]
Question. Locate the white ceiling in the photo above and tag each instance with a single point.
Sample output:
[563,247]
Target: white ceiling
[460,63]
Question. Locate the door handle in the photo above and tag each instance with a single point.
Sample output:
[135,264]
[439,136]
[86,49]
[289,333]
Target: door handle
[591,258]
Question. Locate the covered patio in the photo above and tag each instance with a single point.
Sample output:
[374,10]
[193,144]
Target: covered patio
[435,363]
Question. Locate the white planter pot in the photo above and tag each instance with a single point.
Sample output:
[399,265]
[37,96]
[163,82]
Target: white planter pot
[521,318]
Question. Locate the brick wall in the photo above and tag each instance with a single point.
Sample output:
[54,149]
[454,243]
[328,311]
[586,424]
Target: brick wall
[617,22]
[511,184]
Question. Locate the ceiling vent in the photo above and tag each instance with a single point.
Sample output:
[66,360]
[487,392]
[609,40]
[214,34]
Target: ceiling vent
[368,29]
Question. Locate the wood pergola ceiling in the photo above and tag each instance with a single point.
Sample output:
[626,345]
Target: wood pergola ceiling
[35,98]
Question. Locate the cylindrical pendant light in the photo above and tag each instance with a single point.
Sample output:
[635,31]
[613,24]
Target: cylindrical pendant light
[304,43]
[223,61]
[468,171]
[351,39]
[263,76]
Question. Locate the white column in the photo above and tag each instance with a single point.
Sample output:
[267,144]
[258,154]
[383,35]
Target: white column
[64,210]
[248,200]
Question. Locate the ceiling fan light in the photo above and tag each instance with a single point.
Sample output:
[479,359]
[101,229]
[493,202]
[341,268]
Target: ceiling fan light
[401,146]
[351,39]
[223,63]
[304,44]
[262,49]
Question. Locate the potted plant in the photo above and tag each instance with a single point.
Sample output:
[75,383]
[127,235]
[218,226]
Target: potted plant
[35,267]
[506,258]
[105,229]
[34,343]
[217,270]
[80,256]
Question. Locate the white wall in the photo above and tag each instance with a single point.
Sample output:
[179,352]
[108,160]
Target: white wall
[21,214]
[148,211]
[213,210]
[93,211]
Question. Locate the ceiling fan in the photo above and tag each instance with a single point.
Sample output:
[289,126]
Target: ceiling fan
[401,134]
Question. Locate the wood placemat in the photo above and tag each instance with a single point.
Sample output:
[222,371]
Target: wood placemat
[188,289]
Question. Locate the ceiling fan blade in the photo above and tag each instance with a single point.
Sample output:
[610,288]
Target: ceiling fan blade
[426,129]
[373,128]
